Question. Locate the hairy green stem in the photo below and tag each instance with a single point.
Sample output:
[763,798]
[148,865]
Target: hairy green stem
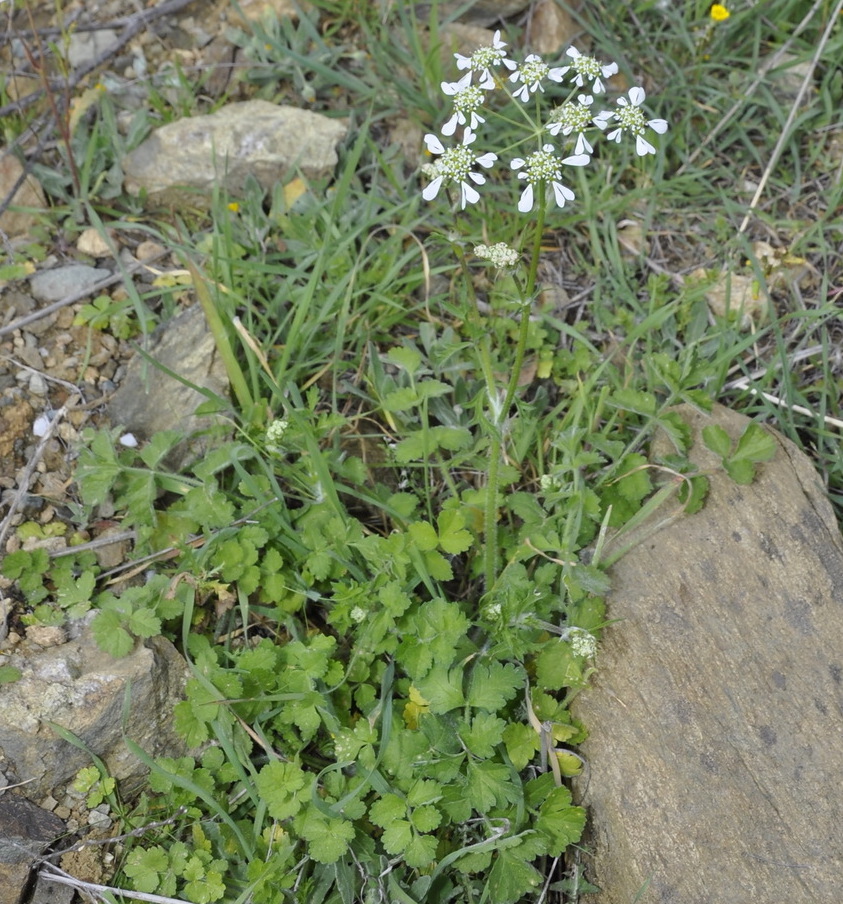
[490,514]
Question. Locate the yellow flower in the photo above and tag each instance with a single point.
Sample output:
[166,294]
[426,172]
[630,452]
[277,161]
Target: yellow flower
[719,12]
[234,207]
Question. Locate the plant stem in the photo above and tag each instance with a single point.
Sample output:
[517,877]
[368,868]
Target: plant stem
[490,515]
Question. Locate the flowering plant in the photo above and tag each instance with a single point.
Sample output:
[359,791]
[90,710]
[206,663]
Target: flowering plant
[559,139]
[567,123]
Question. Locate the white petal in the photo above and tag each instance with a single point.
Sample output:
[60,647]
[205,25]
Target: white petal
[487,81]
[523,93]
[603,118]
[486,160]
[637,95]
[598,87]
[610,69]
[433,144]
[573,52]
[556,75]
[525,202]
[41,425]
[582,145]
[468,195]
[658,125]
[451,125]
[510,64]
[463,62]
[517,163]
[554,128]
[476,119]
[586,100]
[643,147]
[562,194]
[432,190]
[497,43]
[577,160]
[479,178]
[128,440]
[469,137]
[615,136]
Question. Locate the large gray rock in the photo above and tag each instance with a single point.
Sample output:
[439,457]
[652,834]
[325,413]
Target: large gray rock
[149,400]
[79,687]
[716,717]
[254,138]
[26,831]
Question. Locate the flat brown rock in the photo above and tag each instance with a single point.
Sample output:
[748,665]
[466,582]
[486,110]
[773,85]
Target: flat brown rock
[716,718]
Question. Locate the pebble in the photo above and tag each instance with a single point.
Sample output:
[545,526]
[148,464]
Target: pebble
[37,385]
[62,282]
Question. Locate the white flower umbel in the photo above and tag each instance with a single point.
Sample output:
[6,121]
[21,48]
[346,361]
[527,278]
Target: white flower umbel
[630,118]
[545,167]
[531,73]
[275,434]
[499,255]
[467,99]
[586,70]
[456,165]
[583,643]
[484,59]
[574,118]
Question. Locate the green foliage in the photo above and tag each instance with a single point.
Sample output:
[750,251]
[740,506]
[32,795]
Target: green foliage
[118,317]
[754,446]
[361,691]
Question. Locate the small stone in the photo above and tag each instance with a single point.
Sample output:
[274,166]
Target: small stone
[37,385]
[92,242]
[62,282]
[99,818]
[18,222]
[86,46]
[552,28]
[46,635]
[148,250]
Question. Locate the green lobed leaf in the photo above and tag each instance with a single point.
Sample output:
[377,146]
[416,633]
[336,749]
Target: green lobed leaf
[110,634]
[742,472]
[397,836]
[489,785]
[406,357]
[279,785]
[512,877]
[327,838]
[755,444]
[442,688]
[484,734]
[559,821]
[387,809]
[453,538]
[493,684]
[716,438]
[420,851]
[522,743]
[423,535]
[558,667]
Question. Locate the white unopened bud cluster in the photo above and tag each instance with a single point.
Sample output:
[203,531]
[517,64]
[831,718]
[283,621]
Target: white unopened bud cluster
[499,255]
[275,433]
